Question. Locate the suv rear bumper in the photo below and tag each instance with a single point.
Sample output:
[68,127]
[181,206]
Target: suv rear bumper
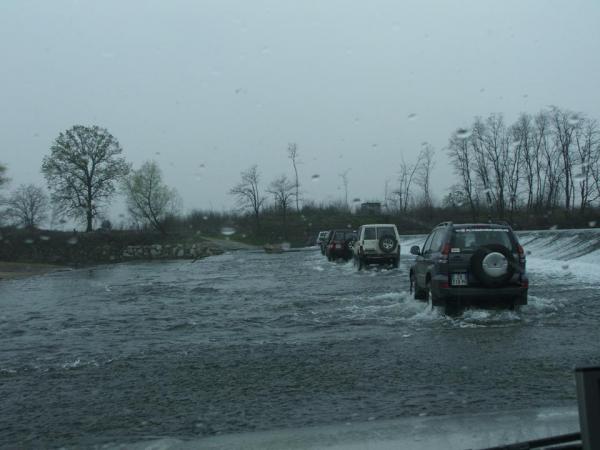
[340,253]
[374,258]
[516,295]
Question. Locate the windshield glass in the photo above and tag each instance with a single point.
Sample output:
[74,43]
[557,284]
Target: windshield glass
[385,231]
[469,239]
[173,172]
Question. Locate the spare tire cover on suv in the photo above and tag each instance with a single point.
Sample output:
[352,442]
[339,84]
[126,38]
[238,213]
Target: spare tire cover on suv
[493,265]
[387,243]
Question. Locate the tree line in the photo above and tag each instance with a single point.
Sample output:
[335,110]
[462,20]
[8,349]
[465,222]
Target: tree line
[545,161]
[83,172]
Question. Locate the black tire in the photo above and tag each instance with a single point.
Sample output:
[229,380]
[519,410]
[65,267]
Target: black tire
[387,243]
[420,294]
[521,300]
[362,263]
[432,298]
[479,272]
[348,244]
[452,309]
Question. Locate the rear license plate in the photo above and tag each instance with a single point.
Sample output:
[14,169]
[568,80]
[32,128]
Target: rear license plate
[459,279]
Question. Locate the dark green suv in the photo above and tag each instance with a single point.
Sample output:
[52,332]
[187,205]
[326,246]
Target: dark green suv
[468,264]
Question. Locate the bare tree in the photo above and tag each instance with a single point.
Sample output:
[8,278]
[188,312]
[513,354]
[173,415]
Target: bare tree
[460,156]
[405,184]
[587,139]
[524,144]
[344,177]
[27,206]
[293,156]
[3,178]
[564,124]
[480,162]
[248,193]
[423,174]
[282,190]
[149,199]
[82,169]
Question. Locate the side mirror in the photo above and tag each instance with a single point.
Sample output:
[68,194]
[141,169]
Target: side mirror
[414,250]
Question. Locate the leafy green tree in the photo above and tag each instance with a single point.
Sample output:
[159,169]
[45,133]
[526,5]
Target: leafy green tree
[82,169]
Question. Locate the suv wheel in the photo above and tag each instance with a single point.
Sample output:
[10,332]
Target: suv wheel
[420,294]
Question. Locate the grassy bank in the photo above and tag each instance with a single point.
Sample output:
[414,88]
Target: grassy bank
[74,248]
[12,270]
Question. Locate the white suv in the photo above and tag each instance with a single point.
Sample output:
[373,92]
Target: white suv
[377,244]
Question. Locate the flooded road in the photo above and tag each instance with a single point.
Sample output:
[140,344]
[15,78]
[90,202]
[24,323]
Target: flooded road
[248,341]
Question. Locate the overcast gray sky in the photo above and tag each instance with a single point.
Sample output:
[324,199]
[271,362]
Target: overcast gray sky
[227,84]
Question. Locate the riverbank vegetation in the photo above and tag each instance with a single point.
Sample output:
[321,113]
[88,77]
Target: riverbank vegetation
[541,171]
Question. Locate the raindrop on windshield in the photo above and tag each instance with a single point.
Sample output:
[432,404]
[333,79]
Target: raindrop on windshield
[356,200]
[72,240]
[565,266]
[592,223]
[28,241]
[463,133]
[573,120]
[44,238]
[315,177]
[482,90]
[412,116]
[554,227]
[227,231]
[285,246]
[374,145]
[205,217]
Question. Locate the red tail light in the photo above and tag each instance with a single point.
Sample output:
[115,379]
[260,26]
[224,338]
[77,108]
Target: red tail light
[521,253]
[525,283]
[444,254]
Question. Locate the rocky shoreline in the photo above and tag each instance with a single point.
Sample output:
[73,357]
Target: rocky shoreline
[25,253]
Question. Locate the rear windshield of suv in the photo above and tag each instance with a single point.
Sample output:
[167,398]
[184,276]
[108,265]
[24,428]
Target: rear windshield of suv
[344,235]
[385,231]
[373,233]
[469,239]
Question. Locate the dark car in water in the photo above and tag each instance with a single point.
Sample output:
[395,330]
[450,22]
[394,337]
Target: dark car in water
[340,245]
[479,264]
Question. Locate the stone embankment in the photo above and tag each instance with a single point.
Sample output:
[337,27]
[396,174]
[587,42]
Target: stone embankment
[72,249]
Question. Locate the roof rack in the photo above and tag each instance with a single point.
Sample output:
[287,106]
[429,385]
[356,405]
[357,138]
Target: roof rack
[443,224]
[500,222]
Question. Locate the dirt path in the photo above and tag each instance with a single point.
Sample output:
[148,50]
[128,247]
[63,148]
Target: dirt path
[10,270]
[229,245]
